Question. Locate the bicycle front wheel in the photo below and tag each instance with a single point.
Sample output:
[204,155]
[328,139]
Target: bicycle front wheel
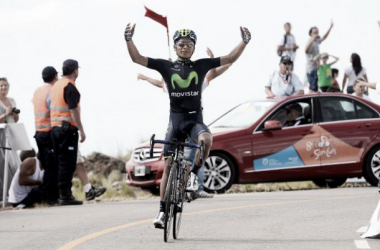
[178,208]
[170,200]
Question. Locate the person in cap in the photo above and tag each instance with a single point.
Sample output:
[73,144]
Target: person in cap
[184,79]
[66,129]
[49,188]
[41,103]
[324,71]
[284,82]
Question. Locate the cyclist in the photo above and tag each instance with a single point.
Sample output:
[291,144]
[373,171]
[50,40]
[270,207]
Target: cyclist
[184,79]
[189,153]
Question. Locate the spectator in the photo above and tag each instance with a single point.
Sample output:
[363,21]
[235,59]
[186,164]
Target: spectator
[324,71]
[353,73]
[312,49]
[7,104]
[283,82]
[335,84]
[24,190]
[66,123]
[288,46]
[161,84]
[90,191]
[360,89]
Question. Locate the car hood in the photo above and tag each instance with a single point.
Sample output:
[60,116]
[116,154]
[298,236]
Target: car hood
[217,132]
[226,132]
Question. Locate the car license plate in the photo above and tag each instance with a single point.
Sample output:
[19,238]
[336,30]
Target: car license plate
[139,170]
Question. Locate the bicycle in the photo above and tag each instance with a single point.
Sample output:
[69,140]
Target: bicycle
[175,192]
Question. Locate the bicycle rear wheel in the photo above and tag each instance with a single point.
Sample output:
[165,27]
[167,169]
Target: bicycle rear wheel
[178,209]
[170,200]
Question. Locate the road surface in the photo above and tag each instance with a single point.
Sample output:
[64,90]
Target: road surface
[312,219]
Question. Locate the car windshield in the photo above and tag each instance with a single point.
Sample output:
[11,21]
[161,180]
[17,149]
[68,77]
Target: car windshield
[244,115]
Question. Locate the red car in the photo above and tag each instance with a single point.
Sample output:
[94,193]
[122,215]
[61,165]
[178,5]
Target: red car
[324,137]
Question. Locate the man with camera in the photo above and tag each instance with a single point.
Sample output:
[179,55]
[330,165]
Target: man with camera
[66,123]
[284,82]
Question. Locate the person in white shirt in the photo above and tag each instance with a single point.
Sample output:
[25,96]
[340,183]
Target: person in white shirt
[359,90]
[353,73]
[24,191]
[283,82]
[288,46]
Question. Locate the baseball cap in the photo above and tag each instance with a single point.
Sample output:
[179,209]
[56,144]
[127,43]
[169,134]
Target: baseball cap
[286,59]
[324,55]
[69,66]
[49,72]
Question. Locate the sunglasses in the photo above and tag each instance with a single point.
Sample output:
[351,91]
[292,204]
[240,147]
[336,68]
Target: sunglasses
[182,45]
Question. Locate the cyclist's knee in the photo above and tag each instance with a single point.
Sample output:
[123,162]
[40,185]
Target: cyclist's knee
[206,138]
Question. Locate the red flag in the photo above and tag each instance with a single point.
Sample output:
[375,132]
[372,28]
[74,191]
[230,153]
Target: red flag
[156,17]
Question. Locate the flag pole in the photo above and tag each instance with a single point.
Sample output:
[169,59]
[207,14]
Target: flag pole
[167,33]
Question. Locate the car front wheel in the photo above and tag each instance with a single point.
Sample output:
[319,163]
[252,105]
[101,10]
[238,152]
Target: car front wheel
[219,173]
[372,166]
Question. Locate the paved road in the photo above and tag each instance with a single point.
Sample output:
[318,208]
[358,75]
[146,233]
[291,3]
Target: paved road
[313,219]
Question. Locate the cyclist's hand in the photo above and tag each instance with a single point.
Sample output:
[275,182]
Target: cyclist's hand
[245,34]
[129,31]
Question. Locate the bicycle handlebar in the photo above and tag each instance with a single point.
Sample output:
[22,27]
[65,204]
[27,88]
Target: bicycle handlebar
[174,142]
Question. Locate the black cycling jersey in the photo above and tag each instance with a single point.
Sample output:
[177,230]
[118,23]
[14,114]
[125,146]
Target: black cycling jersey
[184,81]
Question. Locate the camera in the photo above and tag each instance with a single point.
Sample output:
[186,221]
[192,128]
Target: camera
[15,110]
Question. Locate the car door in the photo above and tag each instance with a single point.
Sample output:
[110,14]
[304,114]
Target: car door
[285,154]
[345,134]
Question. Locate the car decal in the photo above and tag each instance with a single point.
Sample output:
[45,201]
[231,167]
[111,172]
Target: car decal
[286,158]
[311,150]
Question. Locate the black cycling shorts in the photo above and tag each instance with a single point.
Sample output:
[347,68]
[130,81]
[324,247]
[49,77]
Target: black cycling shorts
[183,125]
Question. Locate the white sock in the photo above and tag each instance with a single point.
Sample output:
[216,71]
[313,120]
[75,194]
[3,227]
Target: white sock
[87,187]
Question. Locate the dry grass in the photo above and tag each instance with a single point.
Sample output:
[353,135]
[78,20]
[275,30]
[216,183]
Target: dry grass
[116,189]
[285,186]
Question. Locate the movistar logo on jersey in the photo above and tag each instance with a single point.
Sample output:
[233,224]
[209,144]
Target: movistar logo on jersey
[183,84]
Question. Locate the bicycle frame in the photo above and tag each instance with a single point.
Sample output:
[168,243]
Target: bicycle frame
[176,185]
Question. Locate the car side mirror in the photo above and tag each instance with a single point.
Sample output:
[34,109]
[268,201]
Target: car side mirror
[272,125]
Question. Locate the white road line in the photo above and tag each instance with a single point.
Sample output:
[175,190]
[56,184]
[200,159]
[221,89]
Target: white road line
[362,244]
[362,229]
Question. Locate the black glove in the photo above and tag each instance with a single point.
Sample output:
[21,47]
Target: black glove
[246,36]
[128,34]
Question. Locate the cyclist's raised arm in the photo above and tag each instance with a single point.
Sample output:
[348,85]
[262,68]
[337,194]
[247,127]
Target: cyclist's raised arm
[133,52]
[238,50]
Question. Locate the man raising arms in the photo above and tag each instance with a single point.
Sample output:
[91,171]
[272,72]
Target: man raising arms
[184,79]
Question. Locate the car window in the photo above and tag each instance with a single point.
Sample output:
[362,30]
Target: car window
[244,115]
[341,109]
[292,114]
[365,112]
